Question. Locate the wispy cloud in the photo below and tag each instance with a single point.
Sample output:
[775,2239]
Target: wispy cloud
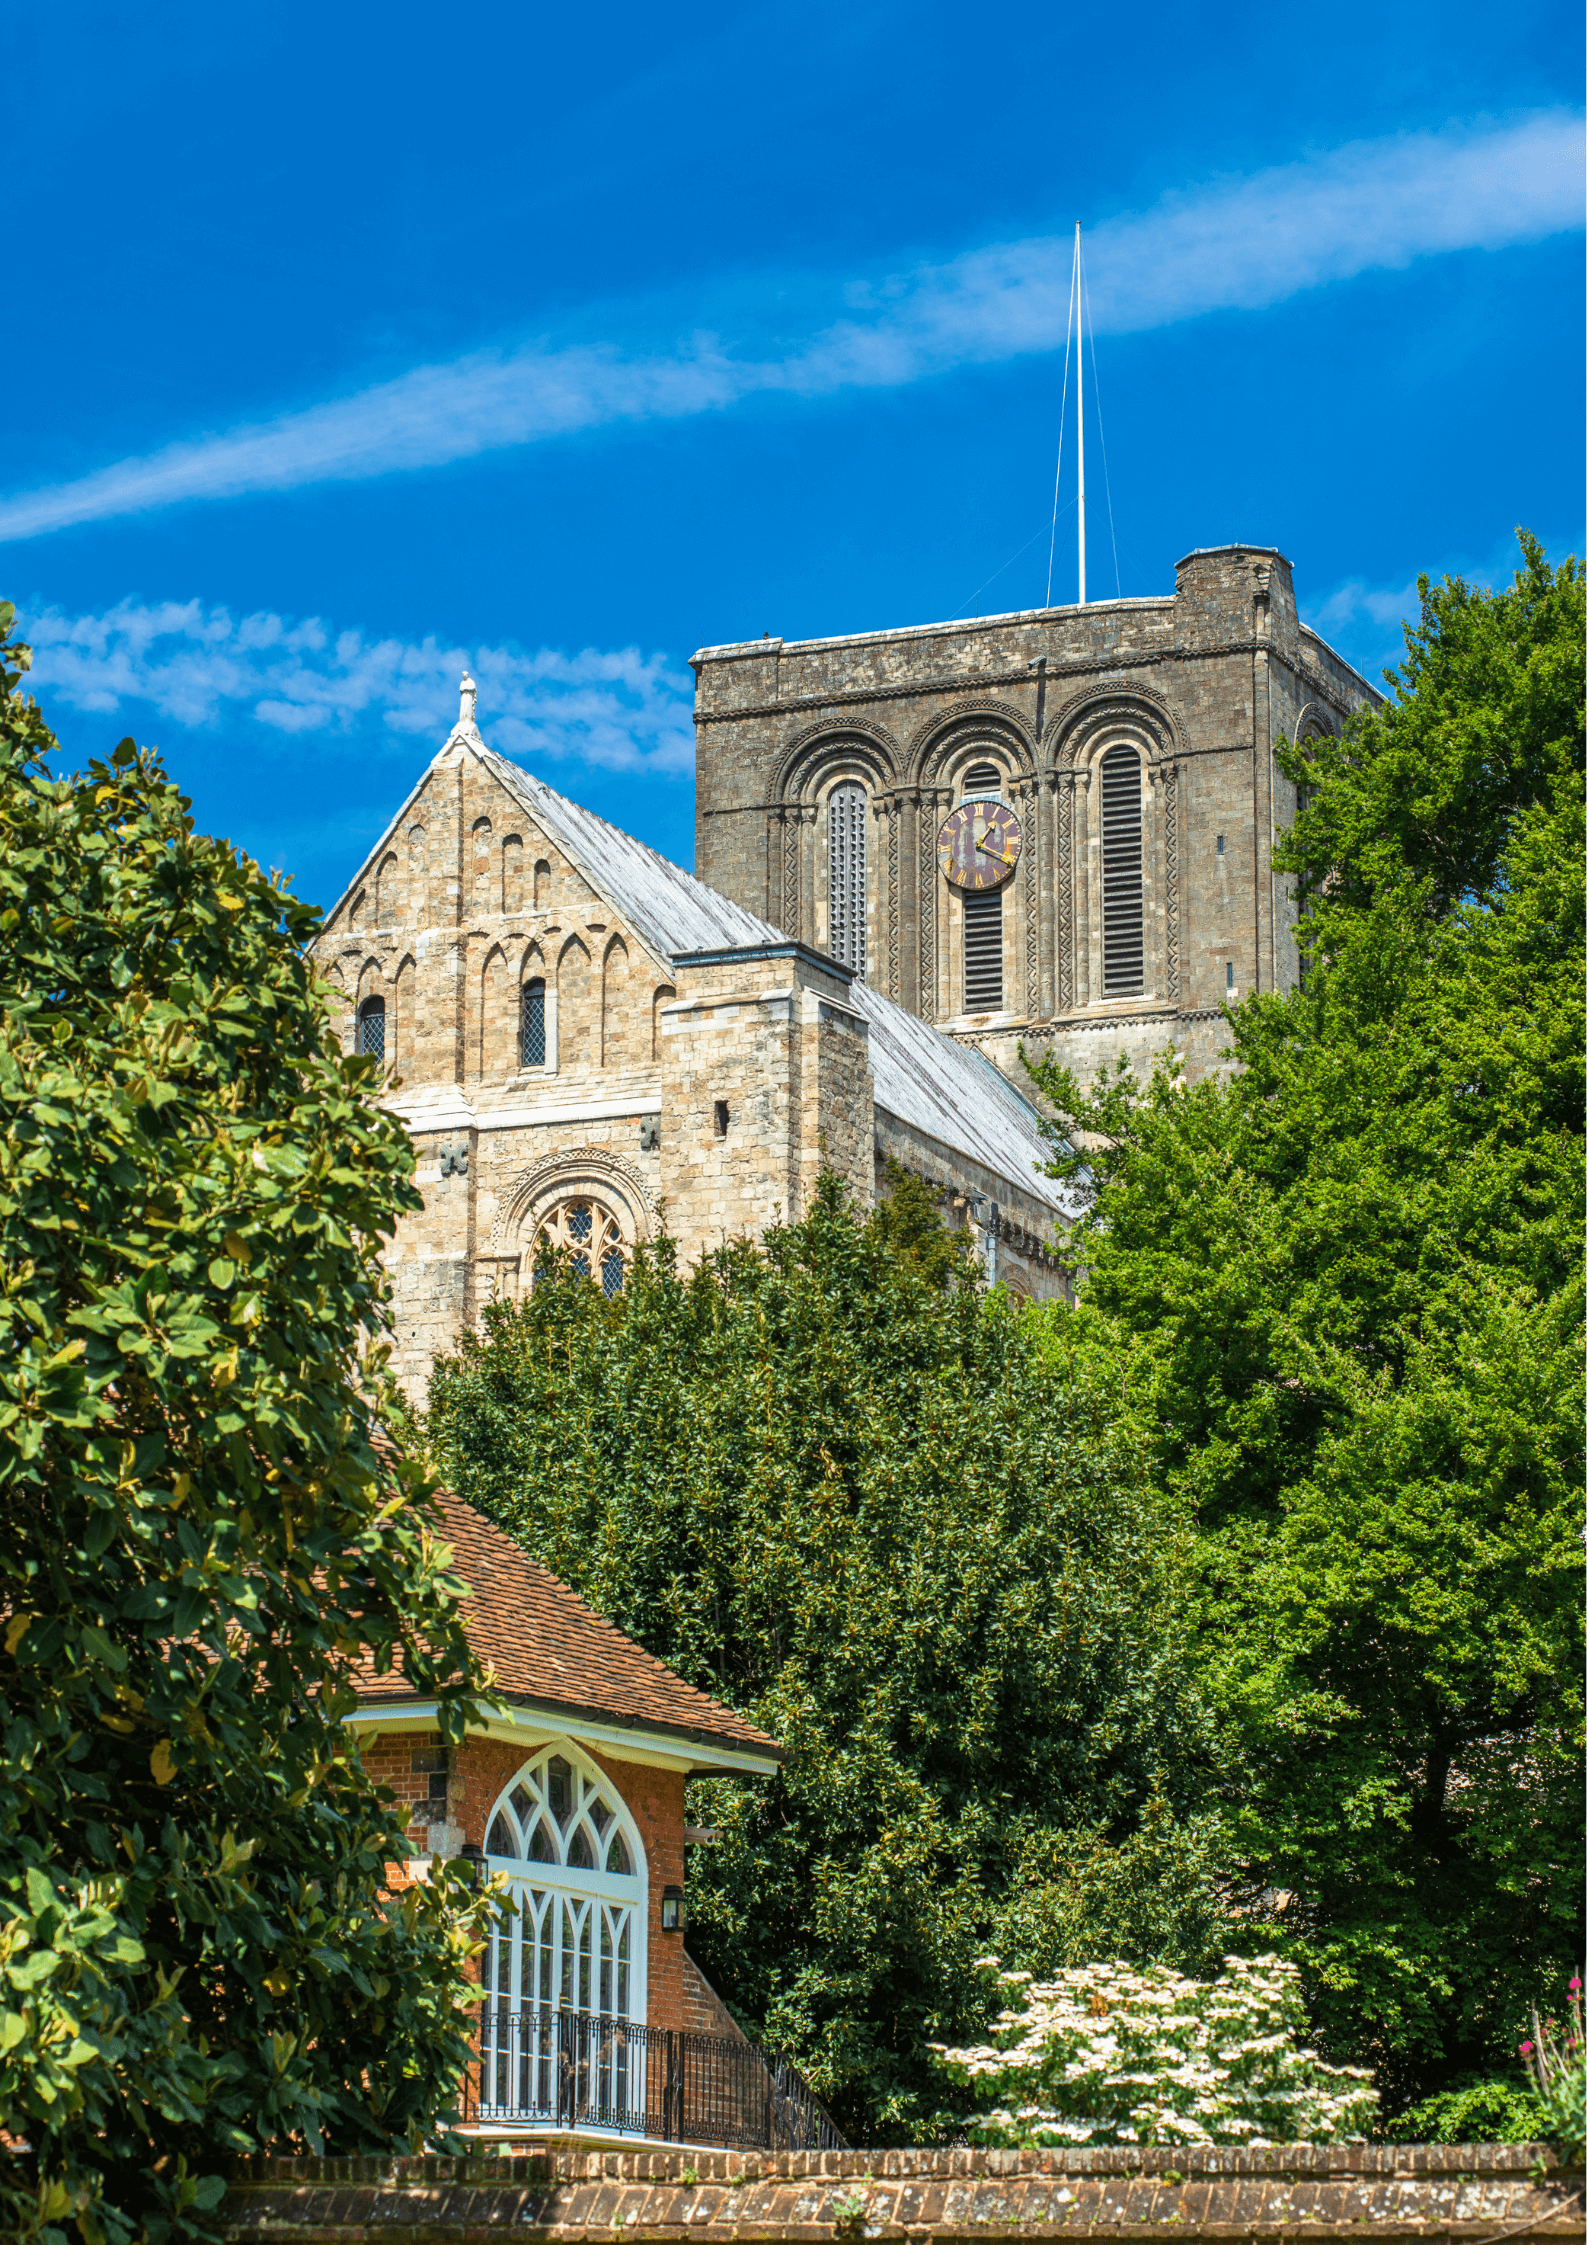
[1240,244]
[614,710]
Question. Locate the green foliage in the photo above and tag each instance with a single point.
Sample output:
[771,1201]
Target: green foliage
[199,1542]
[882,1512]
[1496,2111]
[1343,1287]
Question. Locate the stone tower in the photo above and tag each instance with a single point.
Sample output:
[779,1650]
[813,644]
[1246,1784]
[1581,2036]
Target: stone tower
[1055,826]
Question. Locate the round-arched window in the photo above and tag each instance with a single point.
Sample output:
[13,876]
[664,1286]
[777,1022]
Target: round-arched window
[571,1933]
[372,1027]
[590,1237]
[982,782]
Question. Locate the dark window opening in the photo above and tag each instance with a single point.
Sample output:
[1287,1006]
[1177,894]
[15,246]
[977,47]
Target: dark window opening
[372,1027]
[721,1118]
[532,1025]
[983,952]
[1123,948]
[982,779]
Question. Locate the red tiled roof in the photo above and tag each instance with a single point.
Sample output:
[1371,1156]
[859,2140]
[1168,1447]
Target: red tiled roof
[547,1647]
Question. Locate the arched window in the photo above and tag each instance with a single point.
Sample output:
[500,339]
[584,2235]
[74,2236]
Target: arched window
[590,1237]
[982,782]
[570,1935]
[532,1024]
[846,875]
[983,951]
[372,1027]
[1123,956]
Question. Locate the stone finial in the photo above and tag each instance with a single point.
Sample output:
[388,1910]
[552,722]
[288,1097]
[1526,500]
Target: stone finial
[467,691]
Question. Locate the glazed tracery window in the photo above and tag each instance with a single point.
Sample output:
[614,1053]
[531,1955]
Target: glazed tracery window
[592,1240]
[569,1936]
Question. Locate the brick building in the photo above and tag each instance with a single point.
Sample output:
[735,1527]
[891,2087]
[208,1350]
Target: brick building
[584,1039]
[1055,826]
[572,1789]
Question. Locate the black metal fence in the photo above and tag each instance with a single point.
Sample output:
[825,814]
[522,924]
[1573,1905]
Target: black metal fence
[579,2069]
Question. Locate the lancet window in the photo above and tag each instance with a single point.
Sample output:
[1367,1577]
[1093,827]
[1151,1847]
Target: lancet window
[1123,952]
[532,1024]
[846,814]
[372,1027]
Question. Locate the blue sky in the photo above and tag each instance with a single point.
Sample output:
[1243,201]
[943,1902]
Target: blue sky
[351,343]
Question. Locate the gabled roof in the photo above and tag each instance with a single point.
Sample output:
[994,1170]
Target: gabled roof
[552,1654]
[928,1080]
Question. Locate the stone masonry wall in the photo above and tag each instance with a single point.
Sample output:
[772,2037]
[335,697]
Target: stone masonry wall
[563,2189]
[1200,684]
[765,1069]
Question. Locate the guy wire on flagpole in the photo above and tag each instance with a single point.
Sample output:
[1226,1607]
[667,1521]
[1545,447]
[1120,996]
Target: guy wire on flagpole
[1107,486]
[1063,415]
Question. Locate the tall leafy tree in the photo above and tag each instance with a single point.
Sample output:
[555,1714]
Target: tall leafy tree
[833,1481]
[1343,1283]
[199,1541]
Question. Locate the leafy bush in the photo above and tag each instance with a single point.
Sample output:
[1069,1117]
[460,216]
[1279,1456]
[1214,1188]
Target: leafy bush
[1109,2054]
[1481,2112]
[199,1542]
[835,1481]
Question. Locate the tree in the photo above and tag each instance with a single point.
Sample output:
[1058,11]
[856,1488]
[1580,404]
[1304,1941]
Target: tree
[199,1541]
[1344,1285]
[834,1481]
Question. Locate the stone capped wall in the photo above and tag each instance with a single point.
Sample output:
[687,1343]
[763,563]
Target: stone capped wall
[563,2189]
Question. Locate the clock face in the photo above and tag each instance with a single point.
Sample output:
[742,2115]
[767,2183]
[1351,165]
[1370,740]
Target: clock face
[978,845]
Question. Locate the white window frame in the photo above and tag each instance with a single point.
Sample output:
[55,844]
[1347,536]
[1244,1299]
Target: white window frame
[561,1882]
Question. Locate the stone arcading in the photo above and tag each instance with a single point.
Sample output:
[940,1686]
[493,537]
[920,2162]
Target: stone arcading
[1072,728]
[824,742]
[556,1172]
[979,715]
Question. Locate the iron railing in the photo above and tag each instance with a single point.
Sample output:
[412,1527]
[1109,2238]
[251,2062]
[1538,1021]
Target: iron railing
[581,2069]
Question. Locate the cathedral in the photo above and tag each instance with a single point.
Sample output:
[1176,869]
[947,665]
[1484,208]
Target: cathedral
[916,850]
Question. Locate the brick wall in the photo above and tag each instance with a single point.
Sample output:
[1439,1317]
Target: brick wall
[559,2188]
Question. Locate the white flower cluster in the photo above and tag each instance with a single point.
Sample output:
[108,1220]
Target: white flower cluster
[1115,2054]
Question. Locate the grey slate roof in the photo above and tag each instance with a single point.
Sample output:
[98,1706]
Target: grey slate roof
[930,1081]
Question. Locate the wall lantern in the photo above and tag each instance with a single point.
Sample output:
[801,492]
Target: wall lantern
[672,1909]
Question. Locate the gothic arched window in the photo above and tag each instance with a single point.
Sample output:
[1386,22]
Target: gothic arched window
[569,1935]
[590,1237]
[1123,953]
[532,1024]
[846,812]
[372,1027]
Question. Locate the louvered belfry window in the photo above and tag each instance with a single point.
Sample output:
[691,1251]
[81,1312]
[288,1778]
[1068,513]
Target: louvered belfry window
[983,951]
[1123,955]
[846,875]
